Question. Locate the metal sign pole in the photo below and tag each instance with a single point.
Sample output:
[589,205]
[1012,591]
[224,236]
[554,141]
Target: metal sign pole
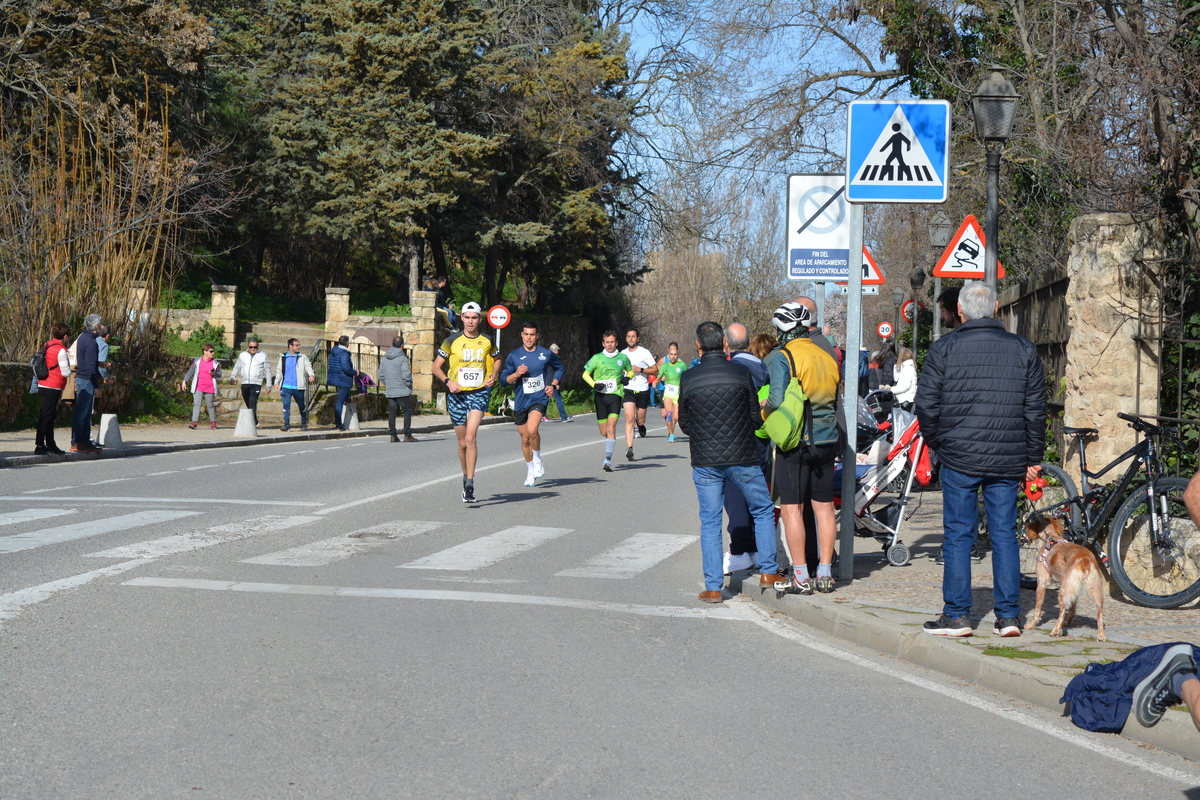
[850,397]
[820,298]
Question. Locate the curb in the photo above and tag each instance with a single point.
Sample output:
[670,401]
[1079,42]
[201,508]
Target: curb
[132,450]
[1175,733]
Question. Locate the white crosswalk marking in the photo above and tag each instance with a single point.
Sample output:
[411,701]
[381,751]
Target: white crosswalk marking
[30,514]
[326,551]
[218,534]
[631,557]
[485,551]
[82,530]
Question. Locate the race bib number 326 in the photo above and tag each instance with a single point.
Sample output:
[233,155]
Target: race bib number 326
[534,385]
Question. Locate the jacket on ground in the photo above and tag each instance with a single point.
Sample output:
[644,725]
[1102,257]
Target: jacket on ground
[1102,695]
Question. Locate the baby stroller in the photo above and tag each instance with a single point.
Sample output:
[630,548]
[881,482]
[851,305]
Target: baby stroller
[907,456]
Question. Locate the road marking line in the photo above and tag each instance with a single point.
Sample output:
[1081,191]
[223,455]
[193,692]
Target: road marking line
[335,447]
[764,619]
[55,489]
[30,514]
[218,534]
[110,480]
[326,551]
[83,530]
[487,550]
[206,500]
[631,557]
[156,474]
[12,603]
[229,463]
[677,612]
[204,466]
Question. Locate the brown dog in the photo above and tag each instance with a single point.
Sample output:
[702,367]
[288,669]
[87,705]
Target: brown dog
[1074,567]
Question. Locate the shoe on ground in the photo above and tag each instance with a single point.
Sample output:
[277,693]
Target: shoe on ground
[212,426]
[84,448]
[769,578]
[1153,696]
[629,454]
[304,426]
[949,626]
[642,431]
[56,451]
[408,438]
[607,465]
[192,425]
[41,451]
[671,438]
[1007,627]
[468,494]
[395,438]
[794,585]
[285,427]
[737,563]
[712,597]
[569,419]
[824,583]
[530,480]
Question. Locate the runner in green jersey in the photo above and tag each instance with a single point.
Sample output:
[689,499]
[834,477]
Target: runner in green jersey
[607,372]
[669,372]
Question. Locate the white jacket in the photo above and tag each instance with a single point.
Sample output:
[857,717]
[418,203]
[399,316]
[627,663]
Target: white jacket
[905,385]
[254,369]
[304,370]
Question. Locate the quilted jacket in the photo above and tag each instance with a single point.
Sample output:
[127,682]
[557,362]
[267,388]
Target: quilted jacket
[981,401]
[718,410]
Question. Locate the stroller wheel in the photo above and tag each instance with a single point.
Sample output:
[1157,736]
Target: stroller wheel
[898,555]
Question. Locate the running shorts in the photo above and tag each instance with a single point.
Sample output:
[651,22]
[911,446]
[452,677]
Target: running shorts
[521,417]
[607,405]
[460,403]
[801,476]
[640,399]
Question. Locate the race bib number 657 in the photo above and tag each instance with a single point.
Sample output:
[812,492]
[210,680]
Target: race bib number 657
[470,377]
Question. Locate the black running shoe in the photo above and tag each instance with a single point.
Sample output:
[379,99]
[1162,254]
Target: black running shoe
[949,626]
[468,494]
[629,454]
[1153,696]
[642,431]
[1007,626]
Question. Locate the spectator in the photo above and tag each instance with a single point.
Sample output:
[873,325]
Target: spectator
[102,353]
[201,380]
[395,373]
[948,307]
[87,378]
[719,411]
[255,370]
[887,363]
[562,409]
[742,546]
[50,389]
[904,386]
[982,406]
[439,284]
[762,344]
[1146,682]
[293,373]
[342,376]
[864,372]
[873,380]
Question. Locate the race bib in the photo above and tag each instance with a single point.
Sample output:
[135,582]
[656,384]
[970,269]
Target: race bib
[671,390]
[534,385]
[607,387]
[470,377]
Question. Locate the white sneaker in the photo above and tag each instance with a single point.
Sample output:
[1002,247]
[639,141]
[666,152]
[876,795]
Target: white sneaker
[530,479]
[737,563]
[538,469]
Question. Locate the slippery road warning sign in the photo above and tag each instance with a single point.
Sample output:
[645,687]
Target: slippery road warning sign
[897,151]
[963,257]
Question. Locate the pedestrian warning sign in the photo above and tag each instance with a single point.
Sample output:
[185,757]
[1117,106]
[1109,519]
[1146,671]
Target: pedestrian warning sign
[872,275]
[963,257]
[898,152]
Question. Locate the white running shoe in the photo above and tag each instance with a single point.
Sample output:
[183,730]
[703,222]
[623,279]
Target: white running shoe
[530,479]
[538,469]
[737,563]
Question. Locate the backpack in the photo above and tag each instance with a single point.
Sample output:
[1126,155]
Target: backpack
[785,425]
[38,363]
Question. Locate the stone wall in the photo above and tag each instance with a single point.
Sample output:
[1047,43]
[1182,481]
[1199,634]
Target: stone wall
[14,386]
[419,331]
[1110,302]
[186,320]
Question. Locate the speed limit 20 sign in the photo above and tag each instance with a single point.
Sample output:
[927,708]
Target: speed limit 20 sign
[885,330]
[498,317]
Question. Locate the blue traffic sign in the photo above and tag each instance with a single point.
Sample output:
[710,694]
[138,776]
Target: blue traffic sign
[898,151]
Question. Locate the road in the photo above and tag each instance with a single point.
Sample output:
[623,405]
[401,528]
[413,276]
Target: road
[328,620]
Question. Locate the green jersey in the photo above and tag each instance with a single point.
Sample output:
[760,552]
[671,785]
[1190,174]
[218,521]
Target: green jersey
[670,373]
[607,371]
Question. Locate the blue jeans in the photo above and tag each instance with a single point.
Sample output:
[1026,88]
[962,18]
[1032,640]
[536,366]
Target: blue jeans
[342,393]
[562,410]
[81,422]
[710,491]
[286,395]
[960,512]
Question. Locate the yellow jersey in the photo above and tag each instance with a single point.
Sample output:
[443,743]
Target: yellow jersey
[469,360]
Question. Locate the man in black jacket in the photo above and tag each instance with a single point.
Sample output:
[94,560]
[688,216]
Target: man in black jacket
[982,406]
[719,412]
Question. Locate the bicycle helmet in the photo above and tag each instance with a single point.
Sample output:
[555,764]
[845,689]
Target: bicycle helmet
[789,315]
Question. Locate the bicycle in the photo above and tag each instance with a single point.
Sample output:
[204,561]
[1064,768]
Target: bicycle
[1154,545]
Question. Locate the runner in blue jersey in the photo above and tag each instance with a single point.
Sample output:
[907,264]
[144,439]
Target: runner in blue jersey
[534,372]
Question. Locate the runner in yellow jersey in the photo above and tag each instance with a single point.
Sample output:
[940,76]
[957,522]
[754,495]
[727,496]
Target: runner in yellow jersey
[467,363]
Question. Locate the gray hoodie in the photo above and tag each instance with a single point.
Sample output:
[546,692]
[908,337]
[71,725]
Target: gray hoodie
[395,374]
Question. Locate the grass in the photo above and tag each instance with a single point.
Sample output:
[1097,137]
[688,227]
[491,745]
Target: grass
[191,348]
[1013,652]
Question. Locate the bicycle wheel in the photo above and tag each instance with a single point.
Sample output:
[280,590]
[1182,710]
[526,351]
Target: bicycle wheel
[1165,575]
[1059,488]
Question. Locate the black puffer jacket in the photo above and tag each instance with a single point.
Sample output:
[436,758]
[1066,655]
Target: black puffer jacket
[981,401]
[718,410]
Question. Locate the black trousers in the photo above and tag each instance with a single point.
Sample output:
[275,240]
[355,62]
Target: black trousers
[250,394]
[49,411]
[404,403]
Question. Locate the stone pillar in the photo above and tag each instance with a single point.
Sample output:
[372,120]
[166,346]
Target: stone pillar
[337,311]
[224,311]
[138,300]
[1108,370]
[423,340]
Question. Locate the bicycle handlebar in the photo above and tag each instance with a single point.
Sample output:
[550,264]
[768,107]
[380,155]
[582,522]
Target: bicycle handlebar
[1141,426]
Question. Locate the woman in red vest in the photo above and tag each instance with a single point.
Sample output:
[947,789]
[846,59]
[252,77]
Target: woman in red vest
[51,389]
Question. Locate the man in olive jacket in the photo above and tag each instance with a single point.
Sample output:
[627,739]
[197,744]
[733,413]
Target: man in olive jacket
[981,404]
[718,410]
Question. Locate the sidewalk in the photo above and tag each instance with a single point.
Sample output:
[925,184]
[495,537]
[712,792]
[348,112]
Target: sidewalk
[885,607]
[16,447]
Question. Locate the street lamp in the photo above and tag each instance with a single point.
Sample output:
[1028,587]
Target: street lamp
[916,280]
[940,229]
[897,301]
[994,105]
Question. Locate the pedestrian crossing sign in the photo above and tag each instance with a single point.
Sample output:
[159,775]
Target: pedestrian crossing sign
[898,151]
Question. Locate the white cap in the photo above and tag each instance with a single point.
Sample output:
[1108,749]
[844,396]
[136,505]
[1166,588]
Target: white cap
[472,306]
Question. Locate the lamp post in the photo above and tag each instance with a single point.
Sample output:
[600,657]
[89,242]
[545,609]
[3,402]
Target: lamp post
[916,280]
[940,229]
[994,106]
[898,302]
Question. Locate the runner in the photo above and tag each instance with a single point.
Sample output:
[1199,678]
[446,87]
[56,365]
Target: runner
[470,374]
[535,374]
[637,393]
[669,373]
[608,372]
